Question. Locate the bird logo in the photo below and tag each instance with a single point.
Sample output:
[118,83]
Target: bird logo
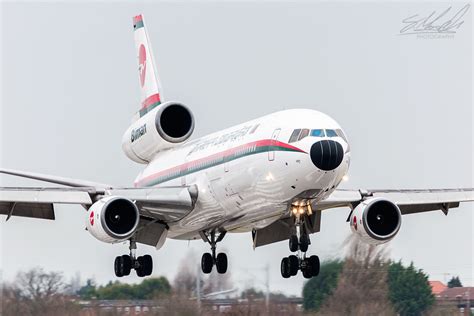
[142,64]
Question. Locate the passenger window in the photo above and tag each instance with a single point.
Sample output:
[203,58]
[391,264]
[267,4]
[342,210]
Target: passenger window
[317,132]
[294,136]
[303,134]
[331,133]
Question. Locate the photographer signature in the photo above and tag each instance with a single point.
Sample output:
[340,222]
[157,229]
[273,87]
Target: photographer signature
[443,22]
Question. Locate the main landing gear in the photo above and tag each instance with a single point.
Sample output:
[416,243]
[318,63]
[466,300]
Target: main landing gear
[143,265]
[299,242]
[208,260]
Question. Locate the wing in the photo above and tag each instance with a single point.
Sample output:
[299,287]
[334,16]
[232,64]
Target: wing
[158,207]
[409,201]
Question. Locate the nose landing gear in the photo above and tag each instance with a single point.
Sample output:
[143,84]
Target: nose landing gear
[208,260]
[143,265]
[299,243]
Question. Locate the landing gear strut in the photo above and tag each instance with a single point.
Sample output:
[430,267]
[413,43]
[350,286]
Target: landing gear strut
[208,260]
[143,265]
[299,242]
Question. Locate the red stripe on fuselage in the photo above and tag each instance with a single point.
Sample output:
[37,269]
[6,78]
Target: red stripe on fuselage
[228,152]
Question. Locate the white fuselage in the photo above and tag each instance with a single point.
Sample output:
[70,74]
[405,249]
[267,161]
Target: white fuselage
[248,174]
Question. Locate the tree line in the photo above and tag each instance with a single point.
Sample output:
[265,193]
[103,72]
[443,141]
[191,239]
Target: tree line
[366,282]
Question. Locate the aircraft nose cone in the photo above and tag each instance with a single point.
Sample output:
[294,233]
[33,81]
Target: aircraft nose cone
[326,154]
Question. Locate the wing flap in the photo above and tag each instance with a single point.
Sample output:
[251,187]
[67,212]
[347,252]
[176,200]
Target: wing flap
[420,208]
[283,228]
[33,210]
[151,233]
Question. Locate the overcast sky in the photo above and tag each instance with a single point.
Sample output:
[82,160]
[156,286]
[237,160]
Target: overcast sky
[69,88]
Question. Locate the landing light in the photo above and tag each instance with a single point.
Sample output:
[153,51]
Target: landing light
[269,177]
[299,208]
[345,178]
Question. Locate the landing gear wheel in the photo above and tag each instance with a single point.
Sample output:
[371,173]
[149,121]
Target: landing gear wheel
[307,273]
[304,242]
[118,267]
[208,260]
[293,243]
[221,263]
[147,263]
[123,265]
[140,269]
[294,265]
[313,265]
[285,268]
[126,265]
[206,263]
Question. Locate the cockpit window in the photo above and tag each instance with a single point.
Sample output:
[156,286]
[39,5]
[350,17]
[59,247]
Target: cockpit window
[317,132]
[331,133]
[299,134]
[294,136]
[303,134]
[340,133]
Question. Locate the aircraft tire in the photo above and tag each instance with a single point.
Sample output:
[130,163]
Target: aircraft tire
[118,267]
[126,265]
[293,265]
[313,265]
[206,263]
[304,242]
[293,243]
[221,263]
[285,268]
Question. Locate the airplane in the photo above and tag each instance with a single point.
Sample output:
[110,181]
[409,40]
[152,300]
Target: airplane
[272,176]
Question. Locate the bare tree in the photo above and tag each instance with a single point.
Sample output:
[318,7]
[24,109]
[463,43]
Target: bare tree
[37,292]
[362,286]
[217,282]
[184,283]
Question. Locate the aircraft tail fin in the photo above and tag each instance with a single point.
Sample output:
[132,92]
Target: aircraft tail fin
[150,87]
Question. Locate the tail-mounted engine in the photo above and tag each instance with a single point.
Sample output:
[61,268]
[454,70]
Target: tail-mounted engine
[165,126]
[112,219]
[376,220]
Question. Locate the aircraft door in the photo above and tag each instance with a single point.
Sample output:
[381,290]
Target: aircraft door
[271,153]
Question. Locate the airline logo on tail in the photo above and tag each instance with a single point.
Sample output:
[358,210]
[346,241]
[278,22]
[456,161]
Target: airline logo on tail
[142,64]
[149,83]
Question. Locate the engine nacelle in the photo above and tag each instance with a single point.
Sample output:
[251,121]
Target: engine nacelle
[165,126]
[376,220]
[112,219]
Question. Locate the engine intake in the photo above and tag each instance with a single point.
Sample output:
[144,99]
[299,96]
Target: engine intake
[376,220]
[113,219]
[174,122]
[165,126]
